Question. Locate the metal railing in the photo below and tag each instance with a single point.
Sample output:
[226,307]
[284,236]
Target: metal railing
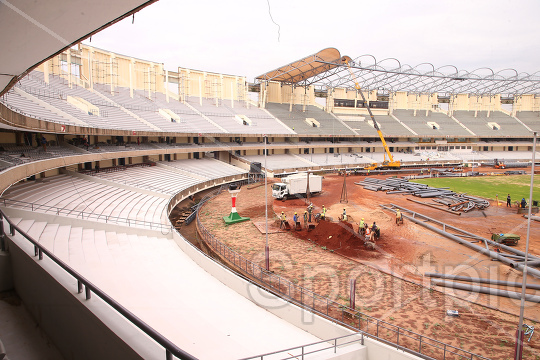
[89,288]
[42,92]
[85,215]
[300,352]
[33,116]
[403,339]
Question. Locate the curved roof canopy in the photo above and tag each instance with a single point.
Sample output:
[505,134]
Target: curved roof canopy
[307,70]
[327,70]
[34,31]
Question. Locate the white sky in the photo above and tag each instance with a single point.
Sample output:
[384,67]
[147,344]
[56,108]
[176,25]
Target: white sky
[238,37]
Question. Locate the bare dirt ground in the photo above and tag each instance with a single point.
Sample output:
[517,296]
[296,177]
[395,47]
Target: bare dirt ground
[390,281]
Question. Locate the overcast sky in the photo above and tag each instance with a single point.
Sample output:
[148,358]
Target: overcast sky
[239,37]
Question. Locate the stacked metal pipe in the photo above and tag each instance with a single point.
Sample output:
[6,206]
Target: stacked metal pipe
[455,202]
[463,202]
[403,186]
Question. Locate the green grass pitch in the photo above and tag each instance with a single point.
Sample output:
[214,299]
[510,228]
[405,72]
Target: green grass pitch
[489,186]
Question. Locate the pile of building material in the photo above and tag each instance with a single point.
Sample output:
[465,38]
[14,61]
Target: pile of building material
[515,172]
[462,202]
[455,202]
[403,186]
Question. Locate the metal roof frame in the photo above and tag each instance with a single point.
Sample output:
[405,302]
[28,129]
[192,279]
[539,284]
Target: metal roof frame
[390,76]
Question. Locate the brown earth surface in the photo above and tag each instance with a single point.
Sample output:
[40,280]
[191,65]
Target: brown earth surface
[390,281]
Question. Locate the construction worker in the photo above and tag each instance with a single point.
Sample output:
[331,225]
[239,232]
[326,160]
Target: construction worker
[296,220]
[361,227]
[367,235]
[508,201]
[283,220]
[310,211]
[523,203]
[399,219]
[376,231]
[323,214]
[305,218]
[344,214]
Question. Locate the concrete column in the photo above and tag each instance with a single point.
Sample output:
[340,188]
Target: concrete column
[46,71]
[222,88]
[91,67]
[111,58]
[167,85]
[180,81]
[292,98]
[232,95]
[245,90]
[148,81]
[69,67]
[200,91]
[131,66]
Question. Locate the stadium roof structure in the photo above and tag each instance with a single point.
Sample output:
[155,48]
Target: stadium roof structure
[35,31]
[326,70]
[309,69]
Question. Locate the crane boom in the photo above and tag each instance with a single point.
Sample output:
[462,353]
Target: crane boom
[391,163]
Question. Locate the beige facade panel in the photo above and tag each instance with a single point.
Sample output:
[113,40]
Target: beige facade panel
[527,103]
[211,85]
[274,92]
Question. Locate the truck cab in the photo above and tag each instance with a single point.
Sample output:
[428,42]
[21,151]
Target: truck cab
[279,190]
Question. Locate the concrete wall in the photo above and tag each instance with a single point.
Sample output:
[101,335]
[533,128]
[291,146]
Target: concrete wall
[301,318]
[404,100]
[209,85]
[526,103]
[79,328]
[6,274]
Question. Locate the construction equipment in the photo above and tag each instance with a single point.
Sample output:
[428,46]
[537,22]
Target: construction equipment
[507,239]
[285,225]
[386,164]
[498,164]
[297,185]
[369,241]
[349,218]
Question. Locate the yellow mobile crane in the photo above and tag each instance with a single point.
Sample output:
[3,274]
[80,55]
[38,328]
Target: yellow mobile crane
[387,164]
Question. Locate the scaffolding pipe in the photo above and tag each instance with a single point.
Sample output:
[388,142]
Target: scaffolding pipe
[480,280]
[491,242]
[533,217]
[482,250]
[434,206]
[485,290]
[530,263]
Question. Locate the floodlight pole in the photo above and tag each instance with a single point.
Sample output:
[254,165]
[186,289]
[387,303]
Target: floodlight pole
[266,248]
[519,339]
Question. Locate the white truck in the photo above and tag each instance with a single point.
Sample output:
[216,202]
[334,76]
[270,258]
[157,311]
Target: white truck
[296,185]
